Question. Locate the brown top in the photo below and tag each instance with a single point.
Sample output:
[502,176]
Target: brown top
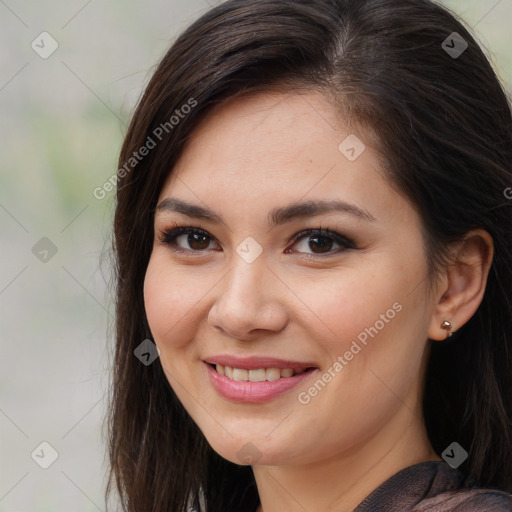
[431,486]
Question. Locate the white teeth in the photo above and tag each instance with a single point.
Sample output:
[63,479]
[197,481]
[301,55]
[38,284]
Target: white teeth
[257,375]
[273,373]
[260,375]
[240,375]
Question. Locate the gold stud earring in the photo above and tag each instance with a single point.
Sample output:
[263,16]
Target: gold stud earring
[448,327]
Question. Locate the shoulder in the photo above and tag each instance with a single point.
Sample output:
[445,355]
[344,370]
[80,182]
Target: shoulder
[467,500]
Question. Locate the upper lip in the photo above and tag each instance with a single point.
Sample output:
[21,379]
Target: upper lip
[257,362]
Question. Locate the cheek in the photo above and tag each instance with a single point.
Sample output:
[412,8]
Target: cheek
[169,303]
[369,318]
[342,308]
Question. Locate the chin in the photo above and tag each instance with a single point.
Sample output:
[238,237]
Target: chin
[246,450]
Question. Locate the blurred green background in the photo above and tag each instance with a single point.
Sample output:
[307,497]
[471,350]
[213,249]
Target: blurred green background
[62,123]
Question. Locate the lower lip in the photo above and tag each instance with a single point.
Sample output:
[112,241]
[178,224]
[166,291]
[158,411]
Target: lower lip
[253,392]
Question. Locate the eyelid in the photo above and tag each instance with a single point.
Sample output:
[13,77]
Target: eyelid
[329,233]
[177,230]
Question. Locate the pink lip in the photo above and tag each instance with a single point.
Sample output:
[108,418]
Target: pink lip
[257,362]
[253,392]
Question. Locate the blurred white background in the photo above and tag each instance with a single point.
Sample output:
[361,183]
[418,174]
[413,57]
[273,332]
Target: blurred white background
[62,122]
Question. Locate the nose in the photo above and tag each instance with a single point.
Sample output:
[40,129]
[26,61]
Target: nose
[249,301]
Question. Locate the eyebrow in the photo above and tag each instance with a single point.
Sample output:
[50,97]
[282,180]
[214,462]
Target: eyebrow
[276,216]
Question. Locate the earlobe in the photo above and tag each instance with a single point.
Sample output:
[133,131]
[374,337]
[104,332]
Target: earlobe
[448,327]
[463,286]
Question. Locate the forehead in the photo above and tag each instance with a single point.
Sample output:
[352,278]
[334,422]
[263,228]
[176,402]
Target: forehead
[272,126]
[267,149]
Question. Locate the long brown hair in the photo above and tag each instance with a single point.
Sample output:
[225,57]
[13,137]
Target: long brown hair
[444,128]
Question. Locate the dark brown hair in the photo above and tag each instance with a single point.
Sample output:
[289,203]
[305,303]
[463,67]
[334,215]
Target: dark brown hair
[444,129]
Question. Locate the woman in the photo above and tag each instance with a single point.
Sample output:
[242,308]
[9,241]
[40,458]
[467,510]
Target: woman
[312,239]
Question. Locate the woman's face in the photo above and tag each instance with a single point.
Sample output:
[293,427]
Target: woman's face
[350,302]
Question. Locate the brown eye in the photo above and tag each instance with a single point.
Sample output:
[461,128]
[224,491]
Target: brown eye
[187,239]
[323,243]
[196,241]
[319,241]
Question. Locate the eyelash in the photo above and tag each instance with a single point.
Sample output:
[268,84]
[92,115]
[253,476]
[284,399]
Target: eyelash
[168,238]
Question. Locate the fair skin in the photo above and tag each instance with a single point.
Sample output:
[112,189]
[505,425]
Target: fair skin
[255,154]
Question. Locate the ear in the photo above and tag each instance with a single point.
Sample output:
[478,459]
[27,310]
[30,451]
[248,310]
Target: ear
[462,288]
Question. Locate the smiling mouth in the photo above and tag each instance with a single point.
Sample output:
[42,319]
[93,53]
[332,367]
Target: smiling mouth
[258,375]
